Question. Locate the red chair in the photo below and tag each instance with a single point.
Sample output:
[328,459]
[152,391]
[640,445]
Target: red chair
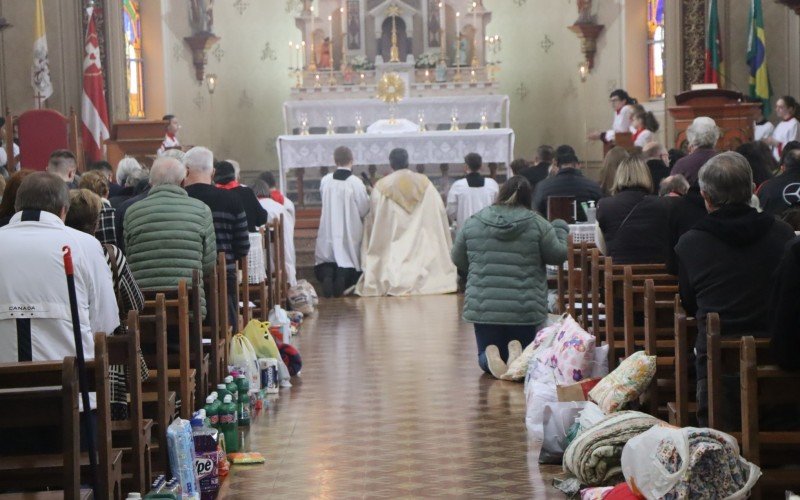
[40,132]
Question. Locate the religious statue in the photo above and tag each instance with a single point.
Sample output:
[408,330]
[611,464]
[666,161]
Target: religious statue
[462,48]
[347,74]
[441,71]
[201,16]
[325,54]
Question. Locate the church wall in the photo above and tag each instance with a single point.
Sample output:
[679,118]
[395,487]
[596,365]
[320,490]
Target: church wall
[65,46]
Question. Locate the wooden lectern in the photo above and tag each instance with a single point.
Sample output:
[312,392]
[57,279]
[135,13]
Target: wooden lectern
[140,139]
[734,117]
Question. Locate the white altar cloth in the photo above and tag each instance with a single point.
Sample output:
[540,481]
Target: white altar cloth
[437,110]
[401,126]
[443,146]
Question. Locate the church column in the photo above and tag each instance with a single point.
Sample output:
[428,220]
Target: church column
[116,84]
[693,29]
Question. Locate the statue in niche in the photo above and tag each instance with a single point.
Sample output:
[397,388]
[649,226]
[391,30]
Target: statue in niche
[462,50]
[201,16]
[353,25]
[325,54]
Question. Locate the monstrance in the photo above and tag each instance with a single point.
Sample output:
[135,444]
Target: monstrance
[391,89]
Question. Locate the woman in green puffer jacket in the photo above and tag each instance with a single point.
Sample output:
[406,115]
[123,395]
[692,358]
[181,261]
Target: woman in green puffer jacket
[503,250]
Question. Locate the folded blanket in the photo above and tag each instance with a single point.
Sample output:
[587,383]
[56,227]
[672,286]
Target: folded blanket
[594,455]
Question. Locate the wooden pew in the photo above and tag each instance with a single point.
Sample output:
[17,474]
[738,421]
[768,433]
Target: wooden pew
[133,435]
[596,281]
[190,366]
[279,277]
[685,397]
[53,385]
[660,306]
[212,329]
[225,327]
[633,302]
[258,289]
[38,470]
[723,359]
[578,280]
[159,402]
[243,292]
[766,384]
[613,282]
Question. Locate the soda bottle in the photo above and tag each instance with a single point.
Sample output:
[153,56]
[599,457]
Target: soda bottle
[230,385]
[212,411]
[244,400]
[222,390]
[228,425]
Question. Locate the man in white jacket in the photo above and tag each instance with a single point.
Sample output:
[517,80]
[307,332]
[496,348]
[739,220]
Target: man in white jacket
[471,194]
[35,317]
[345,203]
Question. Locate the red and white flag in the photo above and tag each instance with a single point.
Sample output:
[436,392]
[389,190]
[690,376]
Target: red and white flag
[94,112]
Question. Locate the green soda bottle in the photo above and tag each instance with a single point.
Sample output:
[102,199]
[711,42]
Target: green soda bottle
[230,385]
[222,391]
[228,426]
[244,400]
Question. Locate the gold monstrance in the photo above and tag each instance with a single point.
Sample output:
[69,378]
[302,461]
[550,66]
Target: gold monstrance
[394,54]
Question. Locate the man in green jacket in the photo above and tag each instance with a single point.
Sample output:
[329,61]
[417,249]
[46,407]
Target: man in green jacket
[168,235]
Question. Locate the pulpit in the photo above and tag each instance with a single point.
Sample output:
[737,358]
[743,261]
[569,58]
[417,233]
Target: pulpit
[140,139]
[40,132]
[734,117]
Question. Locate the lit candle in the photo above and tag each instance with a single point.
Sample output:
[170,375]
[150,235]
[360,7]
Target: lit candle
[313,45]
[458,32]
[475,24]
[304,60]
[298,57]
[330,20]
[291,53]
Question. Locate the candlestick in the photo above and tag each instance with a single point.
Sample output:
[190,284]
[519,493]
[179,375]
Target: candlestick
[298,58]
[344,39]
[475,62]
[312,64]
[458,47]
[291,54]
[363,82]
[303,61]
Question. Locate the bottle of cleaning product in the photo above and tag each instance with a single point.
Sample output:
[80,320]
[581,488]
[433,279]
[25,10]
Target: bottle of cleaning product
[205,457]
[232,388]
[243,407]
[212,412]
[228,424]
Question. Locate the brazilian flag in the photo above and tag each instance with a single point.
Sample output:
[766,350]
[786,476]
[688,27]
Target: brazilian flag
[757,56]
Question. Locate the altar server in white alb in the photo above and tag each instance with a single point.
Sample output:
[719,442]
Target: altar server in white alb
[788,129]
[623,106]
[406,246]
[345,203]
[171,136]
[471,194]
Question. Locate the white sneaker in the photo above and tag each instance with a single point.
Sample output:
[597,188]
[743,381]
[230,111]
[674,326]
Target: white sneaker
[495,362]
[514,350]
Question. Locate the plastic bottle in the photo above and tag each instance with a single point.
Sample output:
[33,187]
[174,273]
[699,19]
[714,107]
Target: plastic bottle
[228,425]
[243,407]
[212,411]
[232,388]
[206,457]
[134,496]
[222,390]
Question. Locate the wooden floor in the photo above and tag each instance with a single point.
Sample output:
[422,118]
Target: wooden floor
[392,404]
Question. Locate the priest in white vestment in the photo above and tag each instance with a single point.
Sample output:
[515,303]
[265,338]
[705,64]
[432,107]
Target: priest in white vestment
[471,194]
[345,203]
[406,246]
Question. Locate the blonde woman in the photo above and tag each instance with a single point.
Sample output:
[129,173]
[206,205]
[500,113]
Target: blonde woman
[631,224]
[609,168]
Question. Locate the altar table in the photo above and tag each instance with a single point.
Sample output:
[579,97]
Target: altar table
[433,147]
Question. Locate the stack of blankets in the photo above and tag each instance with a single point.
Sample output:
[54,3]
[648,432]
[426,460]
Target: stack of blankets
[594,455]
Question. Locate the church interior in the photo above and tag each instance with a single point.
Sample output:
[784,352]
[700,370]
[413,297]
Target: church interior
[286,225]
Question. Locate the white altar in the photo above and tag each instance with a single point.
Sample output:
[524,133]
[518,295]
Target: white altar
[437,110]
[434,147]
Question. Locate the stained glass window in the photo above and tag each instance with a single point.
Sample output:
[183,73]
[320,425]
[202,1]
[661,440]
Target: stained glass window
[655,47]
[132,24]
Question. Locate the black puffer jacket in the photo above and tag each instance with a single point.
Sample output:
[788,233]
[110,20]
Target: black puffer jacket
[634,226]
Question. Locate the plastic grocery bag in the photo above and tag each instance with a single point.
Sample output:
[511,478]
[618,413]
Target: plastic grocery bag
[667,460]
[278,317]
[302,296]
[557,420]
[257,333]
[537,394]
[242,355]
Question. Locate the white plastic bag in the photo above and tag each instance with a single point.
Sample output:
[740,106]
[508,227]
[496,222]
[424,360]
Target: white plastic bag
[590,415]
[557,420]
[645,473]
[600,364]
[278,317]
[243,356]
[537,394]
[302,297]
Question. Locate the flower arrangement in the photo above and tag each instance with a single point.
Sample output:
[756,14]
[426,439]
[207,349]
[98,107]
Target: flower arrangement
[427,60]
[361,63]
